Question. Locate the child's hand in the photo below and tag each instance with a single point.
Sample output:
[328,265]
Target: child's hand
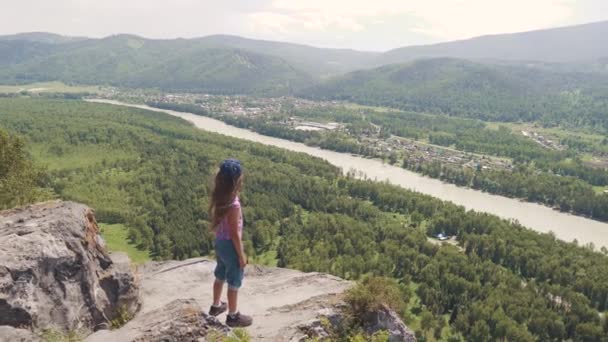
[243,261]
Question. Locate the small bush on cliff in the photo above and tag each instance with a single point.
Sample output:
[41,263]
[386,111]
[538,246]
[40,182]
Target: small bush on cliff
[53,335]
[372,293]
[380,336]
[123,316]
[236,335]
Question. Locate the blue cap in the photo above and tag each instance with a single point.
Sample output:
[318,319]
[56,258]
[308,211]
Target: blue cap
[231,168]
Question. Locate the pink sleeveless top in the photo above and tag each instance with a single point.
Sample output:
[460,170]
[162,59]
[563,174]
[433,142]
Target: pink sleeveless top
[222,231]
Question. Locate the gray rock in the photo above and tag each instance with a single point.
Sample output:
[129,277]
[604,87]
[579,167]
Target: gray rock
[314,329]
[330,319]
[279,299]
[179,320]
[55,271]
[386,319]
[11,334]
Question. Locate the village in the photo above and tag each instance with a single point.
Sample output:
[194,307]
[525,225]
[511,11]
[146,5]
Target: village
[420,152]
[544,141]
[238,105]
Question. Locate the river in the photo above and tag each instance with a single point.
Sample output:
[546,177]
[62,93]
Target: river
[566,227]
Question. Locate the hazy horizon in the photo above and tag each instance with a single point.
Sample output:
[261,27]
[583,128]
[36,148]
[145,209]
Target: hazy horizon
[280,41]
[360,25]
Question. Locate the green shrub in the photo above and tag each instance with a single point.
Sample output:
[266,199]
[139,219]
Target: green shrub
[380,336]
[240,335]
[54,335]
[122,318]
[372,293]
[236,335]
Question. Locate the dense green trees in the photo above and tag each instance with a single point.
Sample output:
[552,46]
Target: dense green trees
[565,193]
[501,267]
[151,172]
[21,181]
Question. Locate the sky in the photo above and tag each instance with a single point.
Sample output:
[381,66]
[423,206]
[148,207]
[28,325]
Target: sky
[377,25]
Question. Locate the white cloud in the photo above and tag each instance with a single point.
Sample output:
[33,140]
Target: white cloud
[444,19]
[269,21]
[361,24]
[151,18]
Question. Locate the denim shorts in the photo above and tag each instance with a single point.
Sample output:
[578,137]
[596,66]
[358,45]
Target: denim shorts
[228,268]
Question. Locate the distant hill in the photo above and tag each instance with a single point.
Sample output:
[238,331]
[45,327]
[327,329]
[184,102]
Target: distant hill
[319,62]
[127,60]
[583,43]
[41,37]
[508,92]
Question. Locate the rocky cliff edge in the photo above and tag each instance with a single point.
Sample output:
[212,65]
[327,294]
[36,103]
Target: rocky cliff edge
[55,273]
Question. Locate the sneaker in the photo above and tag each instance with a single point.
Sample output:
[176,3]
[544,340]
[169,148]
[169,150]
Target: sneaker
[218,310]
[238,320]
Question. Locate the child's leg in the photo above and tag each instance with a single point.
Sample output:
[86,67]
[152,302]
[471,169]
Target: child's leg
[220,278]
[234,278]
[218,286]
[233,297]
[233,274]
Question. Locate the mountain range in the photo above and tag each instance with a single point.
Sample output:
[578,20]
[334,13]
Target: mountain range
[573,44]
[463,88]
[522,64]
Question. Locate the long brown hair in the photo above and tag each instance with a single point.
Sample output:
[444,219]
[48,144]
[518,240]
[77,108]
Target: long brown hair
[224,191]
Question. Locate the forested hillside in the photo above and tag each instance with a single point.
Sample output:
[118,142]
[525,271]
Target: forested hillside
[151,172]
[41,37]
[132,61]
[318,62]
[555,76]
[13,52]
[483,91]
[581,43]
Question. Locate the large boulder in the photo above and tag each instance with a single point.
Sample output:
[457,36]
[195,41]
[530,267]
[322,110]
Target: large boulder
[11,334]
[55,272]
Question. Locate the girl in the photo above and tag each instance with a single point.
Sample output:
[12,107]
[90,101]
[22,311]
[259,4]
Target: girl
[227,221]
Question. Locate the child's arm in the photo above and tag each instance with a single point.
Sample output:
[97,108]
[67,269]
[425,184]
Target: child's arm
[235,235]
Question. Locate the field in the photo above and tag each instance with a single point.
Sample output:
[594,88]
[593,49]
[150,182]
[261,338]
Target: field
[75,157]
[117,240]
[600,189]
[582,135]
[49,87]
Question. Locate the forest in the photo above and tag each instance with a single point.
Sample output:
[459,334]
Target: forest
[151,172]
[489,92]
